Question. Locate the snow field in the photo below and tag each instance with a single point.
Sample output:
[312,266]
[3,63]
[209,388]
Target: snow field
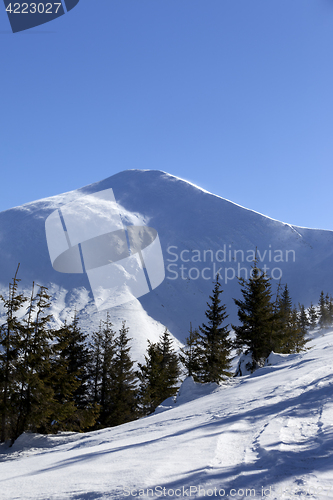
[268,435]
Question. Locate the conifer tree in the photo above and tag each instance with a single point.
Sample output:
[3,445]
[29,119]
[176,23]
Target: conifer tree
[34,397]
[323,320]
[78,356]
[293,337]
[214,340]
[159,375]
[284,326]
[122,404]
[279,321]
[303,319]
[291,326]
[329,309]
[313,317]
[103,349]
[96,364]
[170,369]
[300,331]
[285,304]
[64,382]
[9,355]
[149,375]
[191,356]
[256,313]
[75,355]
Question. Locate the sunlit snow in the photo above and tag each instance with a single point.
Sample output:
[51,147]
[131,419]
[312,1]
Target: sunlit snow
[268,434]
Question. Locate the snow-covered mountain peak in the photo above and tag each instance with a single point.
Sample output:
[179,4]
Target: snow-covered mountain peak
[200,234]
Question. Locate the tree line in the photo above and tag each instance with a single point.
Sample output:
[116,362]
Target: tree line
[268,322]
[61,379]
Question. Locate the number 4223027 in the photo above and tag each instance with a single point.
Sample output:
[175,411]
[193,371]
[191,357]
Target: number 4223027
[33,8]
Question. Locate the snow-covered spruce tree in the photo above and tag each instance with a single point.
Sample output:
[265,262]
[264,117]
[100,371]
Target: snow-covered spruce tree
[191,354]
[9,355]
[121,403]
[158,376]
[215,343]
[257,332]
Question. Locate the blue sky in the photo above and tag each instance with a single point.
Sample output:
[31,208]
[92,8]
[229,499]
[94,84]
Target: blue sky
[233,95]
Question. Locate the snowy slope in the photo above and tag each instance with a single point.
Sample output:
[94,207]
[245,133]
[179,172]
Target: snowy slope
[197,230]
[265,435]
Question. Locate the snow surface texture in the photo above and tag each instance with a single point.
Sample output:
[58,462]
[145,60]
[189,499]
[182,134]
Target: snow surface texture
[196,229]
[266,435]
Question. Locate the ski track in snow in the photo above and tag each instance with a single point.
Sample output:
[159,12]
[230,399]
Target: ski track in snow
[266,435]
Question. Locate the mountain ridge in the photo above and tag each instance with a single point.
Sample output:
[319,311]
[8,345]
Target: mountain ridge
[197,229]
